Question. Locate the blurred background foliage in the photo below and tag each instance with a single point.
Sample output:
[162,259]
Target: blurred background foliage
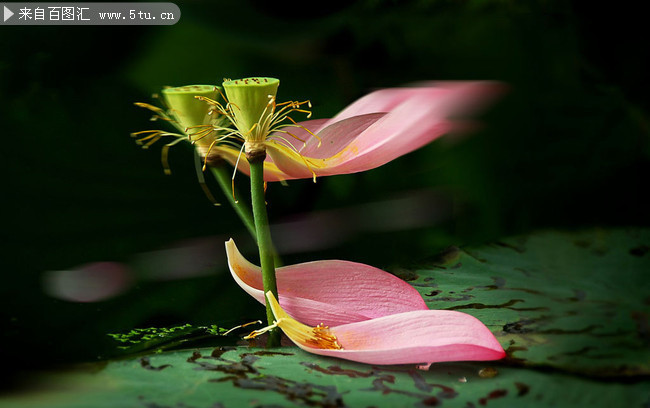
[567,147]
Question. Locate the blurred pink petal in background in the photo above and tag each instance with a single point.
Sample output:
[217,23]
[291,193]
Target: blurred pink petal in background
[91,282]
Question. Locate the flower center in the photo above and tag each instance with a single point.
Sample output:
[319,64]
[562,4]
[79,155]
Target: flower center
[319,337]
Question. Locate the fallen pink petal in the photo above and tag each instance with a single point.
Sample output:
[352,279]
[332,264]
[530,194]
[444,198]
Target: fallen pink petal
[416,337]
[333,292]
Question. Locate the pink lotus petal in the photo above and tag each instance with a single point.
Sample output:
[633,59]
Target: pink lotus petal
[330,292]
[316,160]
[290,162]
[380,101]
[303,131]
[383,100]
[416,121]
[381,127]
[337,135]
[417,337]
[411,125]
[318,312]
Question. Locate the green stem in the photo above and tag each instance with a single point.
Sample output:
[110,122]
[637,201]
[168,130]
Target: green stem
[264,242]
[242,209]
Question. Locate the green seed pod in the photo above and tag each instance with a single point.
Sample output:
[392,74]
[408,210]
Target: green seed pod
[185,108]
[253,104]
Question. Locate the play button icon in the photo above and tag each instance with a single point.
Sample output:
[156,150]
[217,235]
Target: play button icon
[8,13]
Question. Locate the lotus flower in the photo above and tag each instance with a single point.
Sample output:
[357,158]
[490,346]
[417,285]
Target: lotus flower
[334,292]
[416,337]
[372,131]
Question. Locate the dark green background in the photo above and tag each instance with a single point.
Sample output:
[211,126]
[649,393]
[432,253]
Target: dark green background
[568,146]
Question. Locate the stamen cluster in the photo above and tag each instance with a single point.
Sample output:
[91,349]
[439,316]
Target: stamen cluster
[254,132]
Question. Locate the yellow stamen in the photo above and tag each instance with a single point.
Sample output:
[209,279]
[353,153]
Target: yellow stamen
[241,326]
[150,107]
[207,155]
[202,183]
[320,141]
[164,156]
[255,135]
[304,142]
[152,136]
[320,337]
[234,173]
[204,131]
